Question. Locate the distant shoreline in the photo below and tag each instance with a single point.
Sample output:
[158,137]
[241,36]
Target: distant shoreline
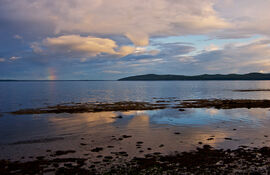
[170,77]
[204,77]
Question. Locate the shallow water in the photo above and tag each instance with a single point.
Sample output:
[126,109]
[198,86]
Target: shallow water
[33,135]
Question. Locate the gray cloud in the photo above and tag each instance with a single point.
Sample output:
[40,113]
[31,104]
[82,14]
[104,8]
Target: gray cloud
[247,57]
[174,49]
[136,19]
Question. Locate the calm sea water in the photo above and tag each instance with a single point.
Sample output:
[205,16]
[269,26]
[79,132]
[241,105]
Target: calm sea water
[32,135]
[17,95]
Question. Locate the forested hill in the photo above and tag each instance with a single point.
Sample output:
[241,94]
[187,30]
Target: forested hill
[155,77]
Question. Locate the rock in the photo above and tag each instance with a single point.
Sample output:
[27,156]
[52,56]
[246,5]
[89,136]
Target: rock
[97,149]
[227,138]
[219,162]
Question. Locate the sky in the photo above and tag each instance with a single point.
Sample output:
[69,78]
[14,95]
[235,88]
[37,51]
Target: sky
[111,39]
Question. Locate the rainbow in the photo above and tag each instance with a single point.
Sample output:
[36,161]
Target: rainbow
[51,74]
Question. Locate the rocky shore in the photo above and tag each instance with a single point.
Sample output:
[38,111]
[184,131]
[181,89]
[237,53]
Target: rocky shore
[204,160]
[112,159]
[158,104]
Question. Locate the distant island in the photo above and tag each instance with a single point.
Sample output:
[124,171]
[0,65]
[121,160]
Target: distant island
[155,77]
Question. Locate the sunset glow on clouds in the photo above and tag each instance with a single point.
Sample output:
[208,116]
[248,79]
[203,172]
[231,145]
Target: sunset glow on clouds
[88,46]
[104,39]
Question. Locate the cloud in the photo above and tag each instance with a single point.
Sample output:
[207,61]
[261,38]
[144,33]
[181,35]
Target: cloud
[112,72]
[18,37]
[36,47]
[174,49]
[89,33]
[137,19]
[85,46]
[13,58]
[146,51]
[125,50]
[82,60]
[139,39]
[211,47]
[140,20]
[252,56]
[237,58]
[247,17]
[187,59]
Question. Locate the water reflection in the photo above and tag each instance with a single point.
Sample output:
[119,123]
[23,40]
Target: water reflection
[176,130]
[197,117]
[89,119]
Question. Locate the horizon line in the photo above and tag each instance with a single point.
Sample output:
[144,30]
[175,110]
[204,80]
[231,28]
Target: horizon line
[139,75]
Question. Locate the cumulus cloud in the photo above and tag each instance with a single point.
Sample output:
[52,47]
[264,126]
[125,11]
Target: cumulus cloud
[88,46]
[137,19]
